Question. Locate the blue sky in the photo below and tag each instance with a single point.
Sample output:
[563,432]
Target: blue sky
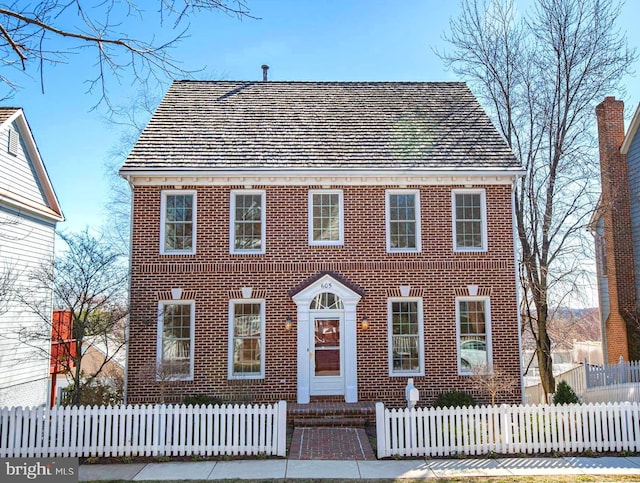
[351,40]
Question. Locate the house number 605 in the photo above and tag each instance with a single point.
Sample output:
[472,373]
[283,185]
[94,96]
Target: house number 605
[326,285]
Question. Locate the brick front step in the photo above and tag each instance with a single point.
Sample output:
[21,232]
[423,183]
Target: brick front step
[331,414]
[330,422]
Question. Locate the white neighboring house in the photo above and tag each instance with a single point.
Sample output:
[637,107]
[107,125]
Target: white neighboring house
[29,211]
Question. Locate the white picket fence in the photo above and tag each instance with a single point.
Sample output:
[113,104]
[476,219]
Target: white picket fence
[507,429]
[157,430]
[618,392]
[576,378]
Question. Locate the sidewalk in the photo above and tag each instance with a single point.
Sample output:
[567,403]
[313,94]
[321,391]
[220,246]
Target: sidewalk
[419,468]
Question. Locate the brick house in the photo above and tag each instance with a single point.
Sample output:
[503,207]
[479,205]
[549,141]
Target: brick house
[616,228]
[305,240]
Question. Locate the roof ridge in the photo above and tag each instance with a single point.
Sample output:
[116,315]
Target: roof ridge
[256,81]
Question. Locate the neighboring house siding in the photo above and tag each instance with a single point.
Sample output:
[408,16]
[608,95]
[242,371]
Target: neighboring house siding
[603,281]
[25,245]
[212,277]
[633,169]
[17,174]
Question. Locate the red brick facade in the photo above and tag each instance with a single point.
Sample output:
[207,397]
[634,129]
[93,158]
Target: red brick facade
[615,209]
[212,277]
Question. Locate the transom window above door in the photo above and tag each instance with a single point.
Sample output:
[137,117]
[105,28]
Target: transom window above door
[326,301]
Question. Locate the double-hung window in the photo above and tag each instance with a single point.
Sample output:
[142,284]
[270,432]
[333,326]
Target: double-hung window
[246,339]
[469,220]
[175,340]
[247,226]
[403,221]
[406,341]
[474,335]
[325,217]
[178,222]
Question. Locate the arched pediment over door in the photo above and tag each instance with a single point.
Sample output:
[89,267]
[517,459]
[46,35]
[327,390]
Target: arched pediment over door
[327,346]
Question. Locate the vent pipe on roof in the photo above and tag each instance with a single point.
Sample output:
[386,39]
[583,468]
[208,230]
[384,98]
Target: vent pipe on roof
[265,68]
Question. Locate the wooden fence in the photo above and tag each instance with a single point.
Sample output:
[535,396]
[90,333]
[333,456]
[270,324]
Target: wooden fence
[507,429]
[619,392]
[575,377]
[143,431]
[611,374]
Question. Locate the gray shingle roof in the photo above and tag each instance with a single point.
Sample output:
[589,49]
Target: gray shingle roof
[213,125]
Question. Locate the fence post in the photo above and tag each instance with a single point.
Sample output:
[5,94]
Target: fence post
[281,449]
[380,432]
[586,374]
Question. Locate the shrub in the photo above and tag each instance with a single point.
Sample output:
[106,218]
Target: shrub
[201,400]
[564,394]
[454,399]
[107,391]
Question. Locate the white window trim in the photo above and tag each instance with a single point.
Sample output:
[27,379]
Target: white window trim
[263,325]
[418,221]
[232,221]
[483,219]
[340,240]
[161,305]
[420,371]
[163,214]
[487,308]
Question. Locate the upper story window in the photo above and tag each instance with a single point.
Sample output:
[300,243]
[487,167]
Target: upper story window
[474,335]
[178,222]
[175,340]
[406,341]
[325,217]
[469,220]
[247,221]
[246,339]
[403,221]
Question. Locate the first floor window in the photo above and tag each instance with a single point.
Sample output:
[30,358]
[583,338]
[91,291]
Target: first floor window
[177,232]
[246,339]
[474,335]
[175,340]
[406,341]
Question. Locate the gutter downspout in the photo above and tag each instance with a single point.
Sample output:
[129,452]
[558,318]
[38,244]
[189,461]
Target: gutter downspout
[126,361]
[517,280]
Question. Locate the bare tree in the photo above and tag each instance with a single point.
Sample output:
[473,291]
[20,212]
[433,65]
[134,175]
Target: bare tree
[130,119]
[90,282]
[49,32]
[493,382]
[540,74]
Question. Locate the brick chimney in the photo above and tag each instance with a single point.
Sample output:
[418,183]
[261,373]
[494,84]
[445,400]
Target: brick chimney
[616,208]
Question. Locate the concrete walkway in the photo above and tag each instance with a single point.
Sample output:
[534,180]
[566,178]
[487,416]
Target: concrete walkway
[419,468]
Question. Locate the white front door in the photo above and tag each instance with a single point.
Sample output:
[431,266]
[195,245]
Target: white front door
[327,351]
[326,355]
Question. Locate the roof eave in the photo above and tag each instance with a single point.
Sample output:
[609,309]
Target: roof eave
[445,171]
